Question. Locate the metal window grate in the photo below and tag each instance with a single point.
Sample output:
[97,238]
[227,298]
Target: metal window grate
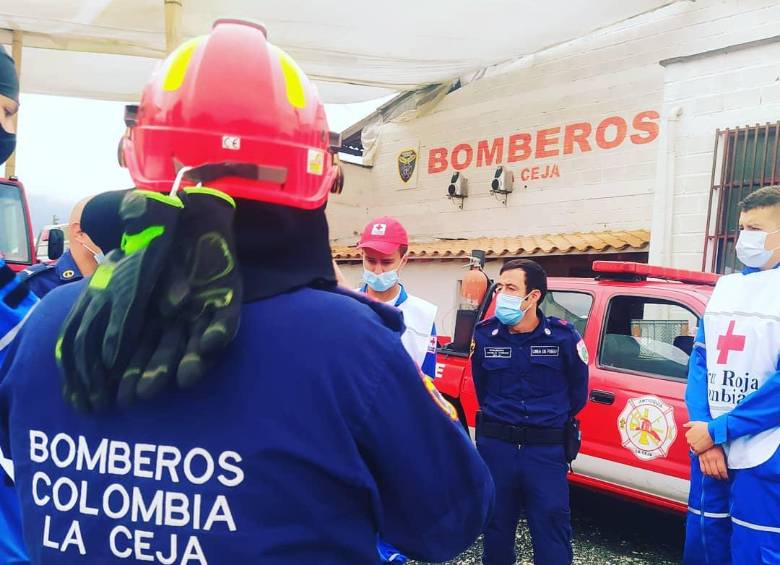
[660,330]
[745,160]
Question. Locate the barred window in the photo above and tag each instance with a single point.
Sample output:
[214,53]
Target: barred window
[745,160]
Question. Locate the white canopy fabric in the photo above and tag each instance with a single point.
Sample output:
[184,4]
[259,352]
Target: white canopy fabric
[355,50]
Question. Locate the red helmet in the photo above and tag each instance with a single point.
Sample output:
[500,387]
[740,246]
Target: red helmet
[235,112]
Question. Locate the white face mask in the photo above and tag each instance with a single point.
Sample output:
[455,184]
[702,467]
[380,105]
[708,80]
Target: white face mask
[751,248]
[99,256]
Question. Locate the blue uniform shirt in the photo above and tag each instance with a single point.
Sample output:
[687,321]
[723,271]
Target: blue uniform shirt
[13,309]
[42,279]
[312,434]
[530,379]
[11,320]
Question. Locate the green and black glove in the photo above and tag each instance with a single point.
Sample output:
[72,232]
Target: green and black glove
[199,300]
[103,329]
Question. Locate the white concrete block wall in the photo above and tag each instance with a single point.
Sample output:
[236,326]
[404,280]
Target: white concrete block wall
[348,212]
[614,71]
[725,90]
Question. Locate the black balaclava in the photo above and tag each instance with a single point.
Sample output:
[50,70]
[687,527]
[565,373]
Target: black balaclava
[281,248]
[100,219]
[9,87]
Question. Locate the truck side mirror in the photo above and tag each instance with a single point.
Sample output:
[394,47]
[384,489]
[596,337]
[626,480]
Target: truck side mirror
[56,243]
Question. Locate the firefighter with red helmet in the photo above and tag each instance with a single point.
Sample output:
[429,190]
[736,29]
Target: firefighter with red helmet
[224,401]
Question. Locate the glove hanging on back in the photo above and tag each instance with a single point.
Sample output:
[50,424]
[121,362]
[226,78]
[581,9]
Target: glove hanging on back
[199,300]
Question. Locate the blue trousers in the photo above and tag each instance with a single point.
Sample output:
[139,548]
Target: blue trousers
[755,514]
[708,525]
[533,478]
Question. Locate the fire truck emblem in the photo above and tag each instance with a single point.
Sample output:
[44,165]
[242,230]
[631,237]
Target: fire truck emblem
[407,160]
[647,427]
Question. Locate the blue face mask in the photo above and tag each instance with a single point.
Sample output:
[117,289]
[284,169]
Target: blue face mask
[381,282]
[508,309]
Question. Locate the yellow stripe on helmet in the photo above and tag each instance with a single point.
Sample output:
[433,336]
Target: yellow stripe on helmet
[292,79]
[179,62]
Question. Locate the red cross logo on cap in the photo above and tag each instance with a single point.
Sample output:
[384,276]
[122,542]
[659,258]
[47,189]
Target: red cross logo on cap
[729,342]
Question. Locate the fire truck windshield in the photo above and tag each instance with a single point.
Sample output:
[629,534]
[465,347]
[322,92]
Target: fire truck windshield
[14,245]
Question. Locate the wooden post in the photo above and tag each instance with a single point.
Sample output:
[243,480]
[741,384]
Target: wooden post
[16,53]
[172,24]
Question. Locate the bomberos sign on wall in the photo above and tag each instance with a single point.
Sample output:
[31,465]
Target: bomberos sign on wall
[534,153]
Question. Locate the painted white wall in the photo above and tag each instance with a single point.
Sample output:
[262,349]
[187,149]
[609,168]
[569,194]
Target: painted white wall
[348,212]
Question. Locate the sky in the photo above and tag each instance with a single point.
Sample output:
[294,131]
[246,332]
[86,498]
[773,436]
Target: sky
[67,149]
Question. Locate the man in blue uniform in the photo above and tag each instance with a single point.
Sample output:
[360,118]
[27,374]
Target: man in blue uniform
[94,228]
[312,433]
[531,378]
[18,292]
[734,503]
[16,301]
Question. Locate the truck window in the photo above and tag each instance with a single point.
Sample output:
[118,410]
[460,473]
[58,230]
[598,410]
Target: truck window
[574,307]
[647,335]
[14,245]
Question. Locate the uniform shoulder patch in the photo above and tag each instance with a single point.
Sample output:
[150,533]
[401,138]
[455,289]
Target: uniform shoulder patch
[438,399]
[582,351]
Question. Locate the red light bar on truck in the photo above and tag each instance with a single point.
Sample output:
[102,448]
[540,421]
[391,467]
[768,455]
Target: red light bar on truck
[640,271]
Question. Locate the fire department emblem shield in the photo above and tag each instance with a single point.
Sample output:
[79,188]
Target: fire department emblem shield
[407,161]
[647,427]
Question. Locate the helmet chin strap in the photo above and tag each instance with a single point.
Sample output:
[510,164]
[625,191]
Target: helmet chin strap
[177,181]
[205,174]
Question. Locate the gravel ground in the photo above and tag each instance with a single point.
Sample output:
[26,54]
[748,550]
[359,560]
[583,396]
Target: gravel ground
[607,531]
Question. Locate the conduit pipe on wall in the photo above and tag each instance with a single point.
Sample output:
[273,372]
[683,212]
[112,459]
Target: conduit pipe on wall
[663,203]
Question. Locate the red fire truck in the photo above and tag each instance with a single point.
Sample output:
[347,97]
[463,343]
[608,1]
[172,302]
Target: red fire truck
[638,322]
[16,236]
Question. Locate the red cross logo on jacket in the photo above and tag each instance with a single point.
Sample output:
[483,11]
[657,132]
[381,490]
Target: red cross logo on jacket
[729,342]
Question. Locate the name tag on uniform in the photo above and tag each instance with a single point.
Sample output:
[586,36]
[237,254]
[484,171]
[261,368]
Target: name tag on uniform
[498,352]
[545,351]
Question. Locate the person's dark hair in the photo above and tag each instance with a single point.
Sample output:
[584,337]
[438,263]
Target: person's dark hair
[403,249]
[535,275]
[762,198]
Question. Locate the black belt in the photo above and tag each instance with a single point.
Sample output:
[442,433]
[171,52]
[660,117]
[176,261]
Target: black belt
[520,435]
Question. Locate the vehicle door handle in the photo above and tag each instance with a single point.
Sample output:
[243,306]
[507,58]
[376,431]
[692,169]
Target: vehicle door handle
[602,396]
